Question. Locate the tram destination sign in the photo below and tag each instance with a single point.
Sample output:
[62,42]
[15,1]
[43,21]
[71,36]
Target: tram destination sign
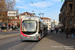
[28,21]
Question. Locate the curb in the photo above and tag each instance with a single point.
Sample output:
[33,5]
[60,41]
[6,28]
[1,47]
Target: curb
[7,31]
[37,44]
[8,36]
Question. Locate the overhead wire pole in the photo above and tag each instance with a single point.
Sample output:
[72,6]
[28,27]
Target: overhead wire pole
[54,23]
[7,22]
[41,14]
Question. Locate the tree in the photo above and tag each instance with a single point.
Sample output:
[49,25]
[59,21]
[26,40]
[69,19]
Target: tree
[10,4]
[2,9]
[6,5]
[2,5]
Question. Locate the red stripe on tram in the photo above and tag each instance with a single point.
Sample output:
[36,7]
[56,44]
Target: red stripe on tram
[21,30]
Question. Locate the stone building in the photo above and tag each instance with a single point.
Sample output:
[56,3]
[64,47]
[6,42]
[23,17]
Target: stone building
[67,15]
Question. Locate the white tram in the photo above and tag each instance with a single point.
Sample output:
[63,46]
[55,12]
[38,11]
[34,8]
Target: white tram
[32,28]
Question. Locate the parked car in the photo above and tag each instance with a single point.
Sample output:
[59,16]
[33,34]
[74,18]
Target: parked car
[17,29]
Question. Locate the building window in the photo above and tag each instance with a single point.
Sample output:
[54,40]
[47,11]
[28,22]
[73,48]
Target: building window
[71,5]
[47,20]
[25,13]
[47,23]
[71,21]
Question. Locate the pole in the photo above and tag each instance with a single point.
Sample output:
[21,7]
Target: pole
[54,23]
[41,14]
[7,24]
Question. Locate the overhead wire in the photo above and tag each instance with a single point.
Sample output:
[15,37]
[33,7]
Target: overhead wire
[53,8]
[48,7]
[54,5]
[35,6]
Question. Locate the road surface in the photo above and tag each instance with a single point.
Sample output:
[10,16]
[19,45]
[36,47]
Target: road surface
[14,43]
[12,32]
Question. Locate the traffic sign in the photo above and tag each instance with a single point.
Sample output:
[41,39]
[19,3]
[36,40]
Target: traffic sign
[11,13]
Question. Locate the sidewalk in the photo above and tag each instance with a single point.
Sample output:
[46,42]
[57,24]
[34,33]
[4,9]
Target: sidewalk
[56,42]
[8,36]
[7,31]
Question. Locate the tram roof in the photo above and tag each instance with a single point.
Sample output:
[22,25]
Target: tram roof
[34,18]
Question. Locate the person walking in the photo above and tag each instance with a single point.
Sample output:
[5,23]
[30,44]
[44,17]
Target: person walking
[67,32]
[59,30]
[72,32]
[56,29]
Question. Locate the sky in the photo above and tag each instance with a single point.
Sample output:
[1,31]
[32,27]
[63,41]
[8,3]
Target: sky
[50,8]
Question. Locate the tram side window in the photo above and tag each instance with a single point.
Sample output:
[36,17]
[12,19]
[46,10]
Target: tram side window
[40,27]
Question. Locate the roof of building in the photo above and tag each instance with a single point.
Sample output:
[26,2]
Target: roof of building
[27,13]
[45,18]
[14,19]
[55,21]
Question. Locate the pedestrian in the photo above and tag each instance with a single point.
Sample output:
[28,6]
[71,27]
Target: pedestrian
[62,30]
[67,32]
[72,32]
[56,29]
[51,30]
[59,30]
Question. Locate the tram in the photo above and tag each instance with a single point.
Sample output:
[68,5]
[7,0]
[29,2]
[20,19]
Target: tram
[32,28]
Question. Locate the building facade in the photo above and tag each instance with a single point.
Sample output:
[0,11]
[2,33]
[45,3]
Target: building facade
[14,22]
[54,24]
[26,14]
[67,15]
[47,22]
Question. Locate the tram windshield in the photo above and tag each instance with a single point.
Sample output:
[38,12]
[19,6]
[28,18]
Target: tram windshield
[28,26]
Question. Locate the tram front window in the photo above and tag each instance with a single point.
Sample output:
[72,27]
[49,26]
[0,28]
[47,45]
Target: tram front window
[28,26]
